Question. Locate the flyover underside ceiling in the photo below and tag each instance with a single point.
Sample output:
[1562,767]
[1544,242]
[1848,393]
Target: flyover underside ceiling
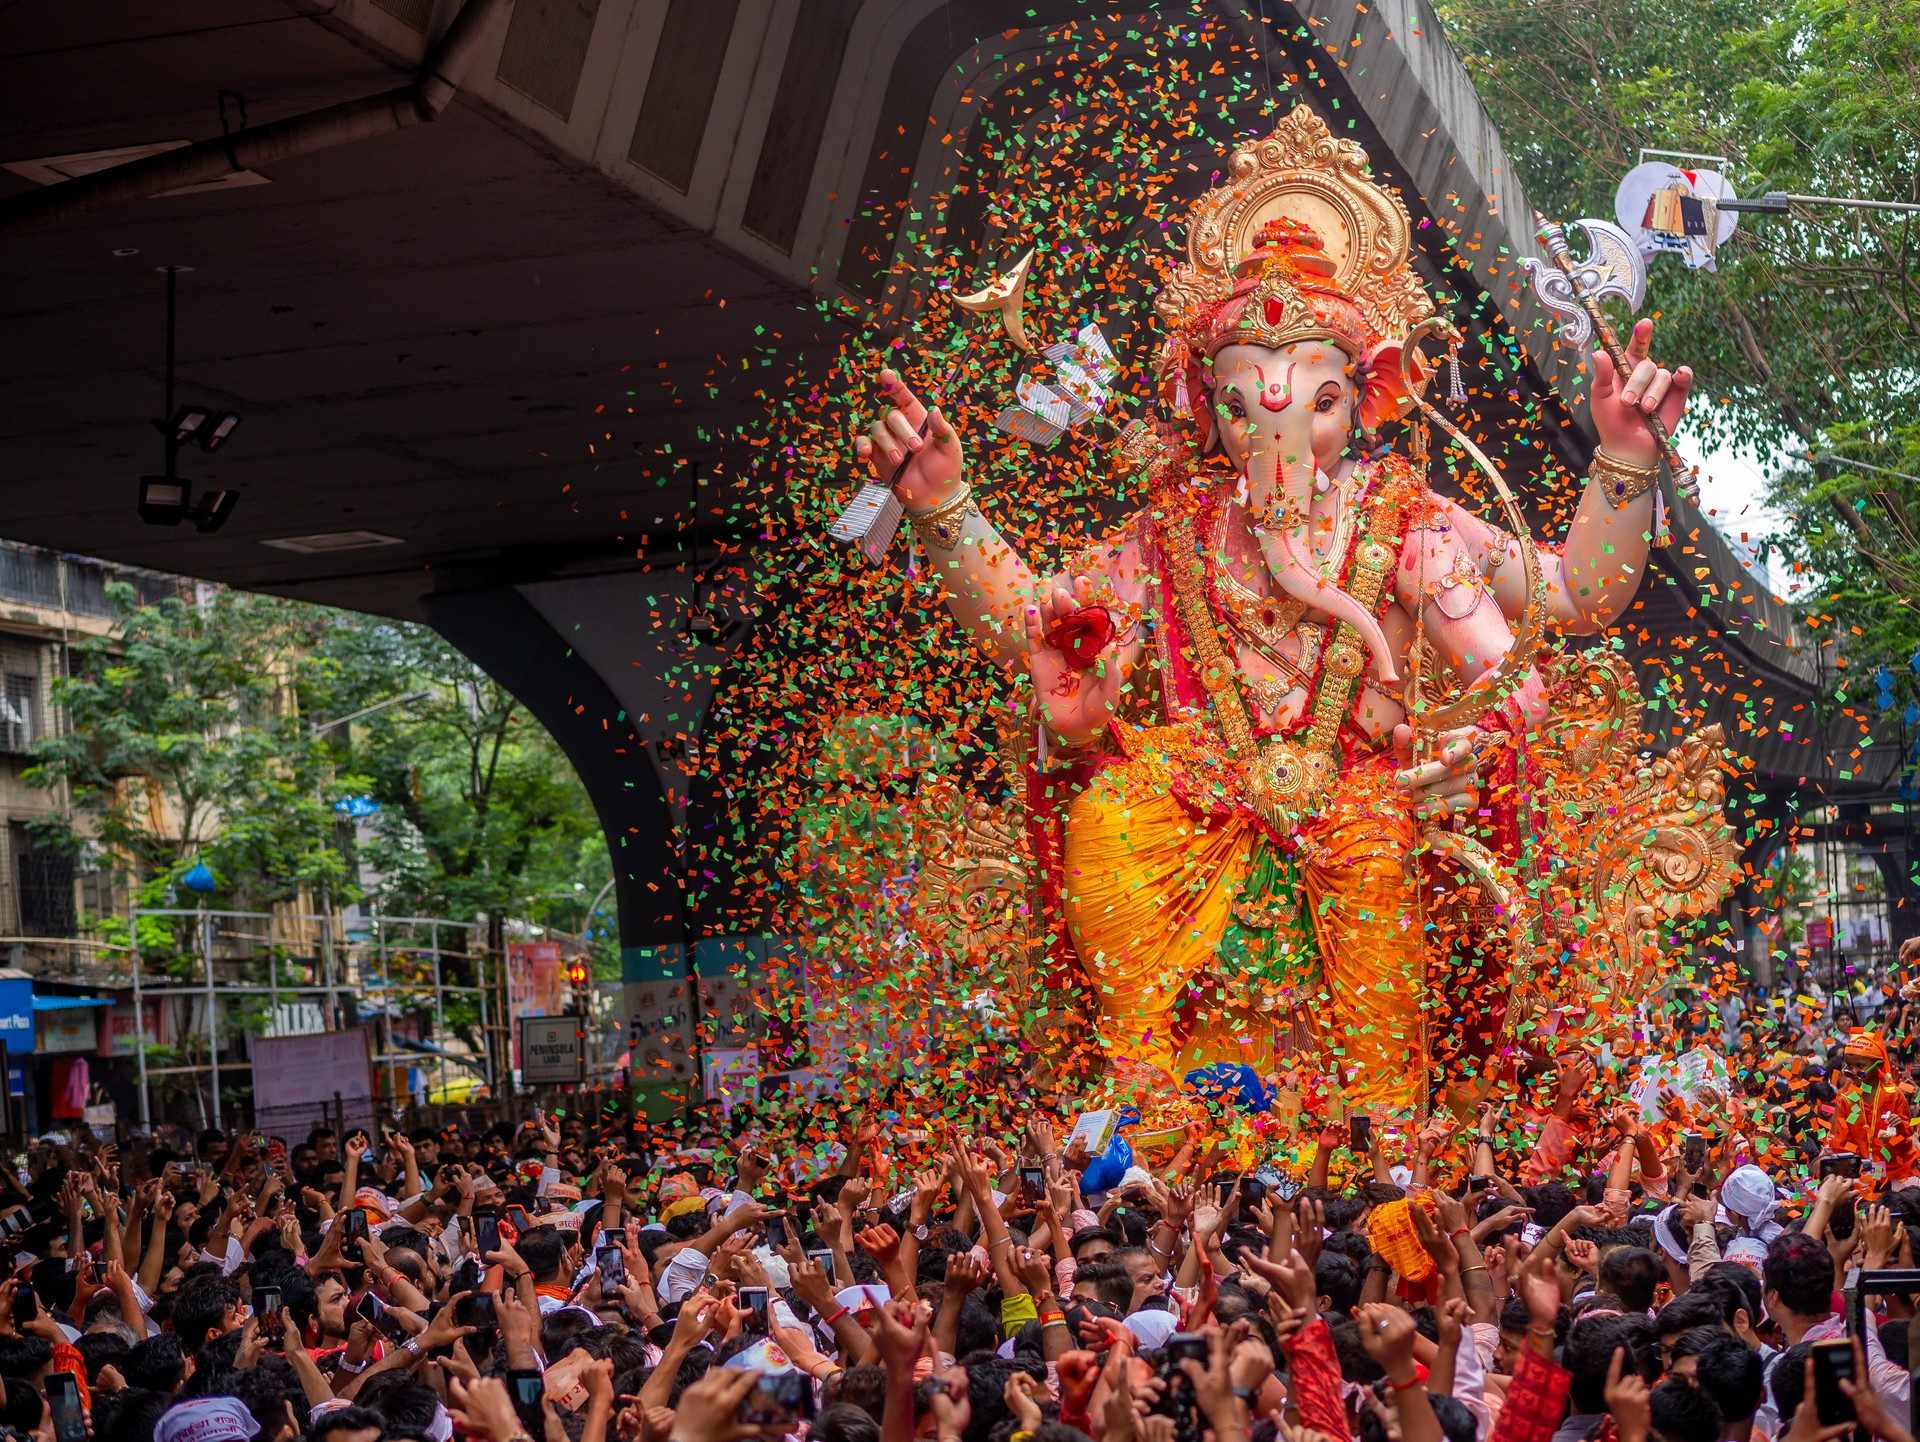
[417,329]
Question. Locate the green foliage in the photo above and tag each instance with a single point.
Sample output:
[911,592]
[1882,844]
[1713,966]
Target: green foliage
[481,814]
[199,731]
[1806,336]
[185,744]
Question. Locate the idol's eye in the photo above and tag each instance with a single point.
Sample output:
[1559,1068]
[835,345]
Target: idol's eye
[1326,402]
[1236,410]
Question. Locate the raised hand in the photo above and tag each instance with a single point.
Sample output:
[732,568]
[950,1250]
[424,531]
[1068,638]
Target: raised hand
[881,1242]
[1619,410]
[936,463]
[1387,1332]
[1628,1399]
[965,1273]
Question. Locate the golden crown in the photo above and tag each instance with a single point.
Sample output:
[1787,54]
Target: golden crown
[1330,247]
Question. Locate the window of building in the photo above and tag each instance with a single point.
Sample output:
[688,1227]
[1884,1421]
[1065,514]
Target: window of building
[19,711]
[43,879]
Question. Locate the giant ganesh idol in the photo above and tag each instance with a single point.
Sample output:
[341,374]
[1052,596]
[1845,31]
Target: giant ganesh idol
[1249,835]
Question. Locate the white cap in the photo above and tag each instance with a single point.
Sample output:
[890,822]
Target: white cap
[1152,1328]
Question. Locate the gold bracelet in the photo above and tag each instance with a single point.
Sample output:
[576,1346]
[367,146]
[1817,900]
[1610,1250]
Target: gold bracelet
[940,527]
[1620,481]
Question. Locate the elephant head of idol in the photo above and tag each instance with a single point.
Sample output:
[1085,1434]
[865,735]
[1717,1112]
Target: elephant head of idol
[1282,376]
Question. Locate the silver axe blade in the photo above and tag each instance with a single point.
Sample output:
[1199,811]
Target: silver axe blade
[1613,267]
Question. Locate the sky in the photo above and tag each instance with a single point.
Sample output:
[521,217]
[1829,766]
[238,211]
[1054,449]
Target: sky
[1733,485]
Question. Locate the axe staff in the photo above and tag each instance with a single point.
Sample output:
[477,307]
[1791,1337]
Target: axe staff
[1554,236]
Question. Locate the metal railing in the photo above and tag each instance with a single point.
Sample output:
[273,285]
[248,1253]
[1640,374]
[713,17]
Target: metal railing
[390,966]
[70,583]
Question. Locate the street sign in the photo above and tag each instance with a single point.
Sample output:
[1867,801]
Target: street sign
[553,1049]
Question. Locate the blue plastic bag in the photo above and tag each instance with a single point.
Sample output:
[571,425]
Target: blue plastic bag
[1103,1173]
[1234,1082]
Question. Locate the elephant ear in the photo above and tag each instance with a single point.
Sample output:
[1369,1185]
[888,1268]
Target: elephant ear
[1385,397]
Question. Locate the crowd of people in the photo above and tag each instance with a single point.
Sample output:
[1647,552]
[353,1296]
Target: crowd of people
[1574,1265]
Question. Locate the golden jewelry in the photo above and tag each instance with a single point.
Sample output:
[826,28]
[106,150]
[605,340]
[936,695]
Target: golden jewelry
[939,528]
[1263,621]
[1620,481]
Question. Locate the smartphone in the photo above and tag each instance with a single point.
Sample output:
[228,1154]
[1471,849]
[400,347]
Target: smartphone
[613,1270]
[528,1387]
[26,1306]
[1033,1185]
[754,1299]
[353,1230]
[823,1260]
[276,1148]
[1832,1362]
[486,1233]
[517,1219]
[1479,1183]
[375,1311]
[1359,1134]
[776,1399]
[266,1301]
[1840,1164]
[1694,1152]
[1253,1191]
[1286,1189]
[776,1232]
[63,1401]
[475,1310]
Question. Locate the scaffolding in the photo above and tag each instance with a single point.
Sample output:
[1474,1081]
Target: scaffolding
[321,974]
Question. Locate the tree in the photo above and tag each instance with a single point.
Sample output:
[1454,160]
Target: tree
[1808,332]
[200,731]
[480,812]
[184,744]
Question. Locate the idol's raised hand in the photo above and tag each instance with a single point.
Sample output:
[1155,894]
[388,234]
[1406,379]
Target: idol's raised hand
[1620,407]
[909,432]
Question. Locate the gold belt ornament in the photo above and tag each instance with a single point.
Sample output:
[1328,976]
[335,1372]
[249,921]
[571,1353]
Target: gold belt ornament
[1286,780]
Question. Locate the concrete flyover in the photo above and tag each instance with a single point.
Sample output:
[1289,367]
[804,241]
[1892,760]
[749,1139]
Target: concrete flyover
[418,325]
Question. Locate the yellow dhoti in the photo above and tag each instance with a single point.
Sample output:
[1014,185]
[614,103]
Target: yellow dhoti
[1148,891]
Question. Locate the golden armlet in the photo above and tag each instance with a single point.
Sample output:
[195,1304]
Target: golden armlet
[1620,481]
[940,527]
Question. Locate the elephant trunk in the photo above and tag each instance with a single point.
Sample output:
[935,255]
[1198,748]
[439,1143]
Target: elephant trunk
[1303,582]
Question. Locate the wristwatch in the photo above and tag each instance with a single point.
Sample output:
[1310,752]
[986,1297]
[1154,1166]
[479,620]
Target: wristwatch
[920,1232]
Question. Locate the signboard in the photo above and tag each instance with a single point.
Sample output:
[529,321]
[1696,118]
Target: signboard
[295,1078]
[1820,931]
[70,1028]
[16,1029]
[123,1037]
[16,1015]
[536,983]
[552,1049]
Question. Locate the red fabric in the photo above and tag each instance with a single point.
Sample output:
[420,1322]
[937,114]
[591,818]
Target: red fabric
[1876,1125]
[1536,1400]
[1314,1371]
[67,1358]
[1049,794]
